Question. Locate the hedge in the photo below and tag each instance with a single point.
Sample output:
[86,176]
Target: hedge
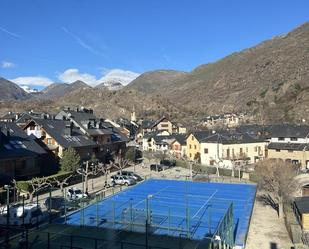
[208,169]
[25,185]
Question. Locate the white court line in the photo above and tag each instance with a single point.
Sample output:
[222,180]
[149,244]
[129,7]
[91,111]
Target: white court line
[152,195]
[204,204]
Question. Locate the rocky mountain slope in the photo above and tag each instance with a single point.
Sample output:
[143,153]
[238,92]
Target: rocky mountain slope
[58,90]
[270,80]
[156,81]
[11,91]
[111,85]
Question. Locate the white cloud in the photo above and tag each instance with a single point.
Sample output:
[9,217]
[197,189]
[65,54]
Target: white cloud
[7,64]
[32,81]
[10,33]
[125,77]
[73,74]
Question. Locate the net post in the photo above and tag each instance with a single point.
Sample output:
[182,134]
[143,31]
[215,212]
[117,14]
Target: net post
[48,240]
[131,215]
[97,210]
[169,220]
[65,206]
[113,213]
[188,222]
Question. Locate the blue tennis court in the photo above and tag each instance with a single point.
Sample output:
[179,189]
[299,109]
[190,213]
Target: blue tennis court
[195,210]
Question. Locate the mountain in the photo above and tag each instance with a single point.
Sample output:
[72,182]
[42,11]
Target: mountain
[58,90]
[155,81]
[11,91]
[111,85]
[270,81]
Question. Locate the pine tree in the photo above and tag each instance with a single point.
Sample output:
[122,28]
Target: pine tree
[70,160]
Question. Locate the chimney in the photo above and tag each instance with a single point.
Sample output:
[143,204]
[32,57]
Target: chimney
[68,129]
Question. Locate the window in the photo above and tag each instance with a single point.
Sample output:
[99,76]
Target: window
[32,128]
[290,151]
[293,138]
[281,138]
[277,150]
[255,148]
[192,138]
[190,155]
[205,151]
[164,125]
[49,141]
[195,147]
[190,147]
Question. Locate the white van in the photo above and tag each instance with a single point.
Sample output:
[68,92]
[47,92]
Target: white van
[31,213]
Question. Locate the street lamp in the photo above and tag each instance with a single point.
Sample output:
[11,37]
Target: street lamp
[7,187]
[147,218]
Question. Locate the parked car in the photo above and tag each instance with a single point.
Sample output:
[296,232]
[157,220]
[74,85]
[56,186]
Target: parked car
[75,194]
[130,174]
[30,214]
[122,180]
[56,203]
[156,167]
[169,163]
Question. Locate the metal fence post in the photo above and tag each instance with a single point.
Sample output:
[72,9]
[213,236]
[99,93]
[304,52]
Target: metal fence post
[48,240]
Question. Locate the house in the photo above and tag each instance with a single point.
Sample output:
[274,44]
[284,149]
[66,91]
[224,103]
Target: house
[193,144]
[21,157]
[226,119]
[226,147]
[9,117]
[162,124]
[301,210]
[290,143]
[59,135]
[108,137]
[179,146]
[157,141]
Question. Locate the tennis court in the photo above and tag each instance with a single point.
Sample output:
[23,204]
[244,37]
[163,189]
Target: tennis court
[195,210]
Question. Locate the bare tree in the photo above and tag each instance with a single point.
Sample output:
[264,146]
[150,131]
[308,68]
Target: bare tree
[103,170]
[275,179]
[119,162]
[86,172]
[62,183]
[35,185]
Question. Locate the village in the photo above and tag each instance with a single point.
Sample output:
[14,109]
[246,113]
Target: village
[34,148]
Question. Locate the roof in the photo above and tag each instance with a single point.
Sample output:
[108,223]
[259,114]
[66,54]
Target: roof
[93,126]
[289,146]
[158,121]
[16,143]
[9,115]
[57,129]
[147,124]
[199,135]
[289,130]
[232,137]
[180,138]
[302,204]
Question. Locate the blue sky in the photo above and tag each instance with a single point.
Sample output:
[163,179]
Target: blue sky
[62,40]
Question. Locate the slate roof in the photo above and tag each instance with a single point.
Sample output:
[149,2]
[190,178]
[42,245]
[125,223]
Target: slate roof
[228,137]
[56,129]
[302,204]
[288,130]
[289,146]
[180,138]
[199,135]
[10,115]
[147,124]
[16,143]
